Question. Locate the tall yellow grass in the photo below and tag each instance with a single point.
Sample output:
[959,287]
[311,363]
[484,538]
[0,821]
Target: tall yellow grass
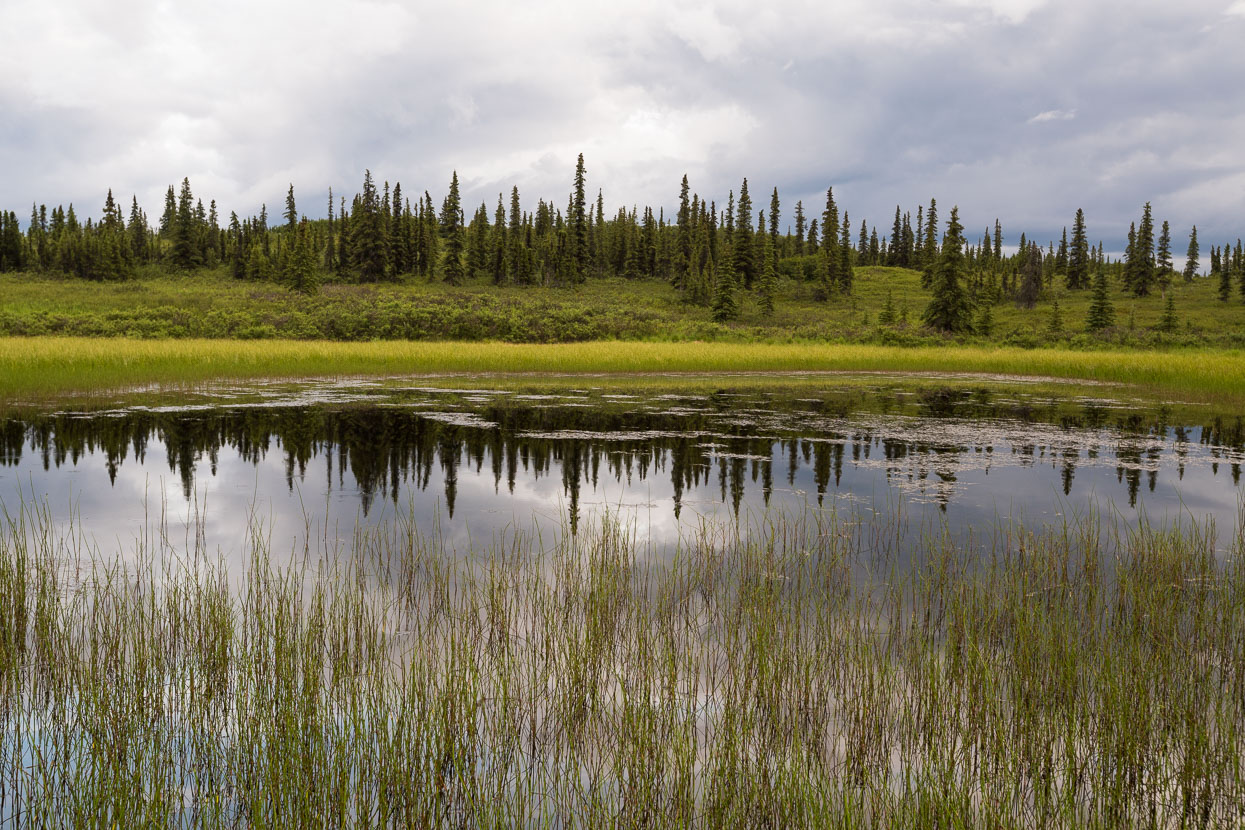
[30,367]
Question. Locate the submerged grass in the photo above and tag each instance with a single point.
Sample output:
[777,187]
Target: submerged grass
[803,672]
[37,367]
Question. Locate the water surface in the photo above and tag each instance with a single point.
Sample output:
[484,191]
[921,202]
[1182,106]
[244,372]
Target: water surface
[322,457]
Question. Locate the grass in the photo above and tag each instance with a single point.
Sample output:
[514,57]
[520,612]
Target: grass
[31,368]
[211,304]
[799,673]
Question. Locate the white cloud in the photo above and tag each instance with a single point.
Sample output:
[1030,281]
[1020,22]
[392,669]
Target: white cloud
[1053,115]
[1236,9]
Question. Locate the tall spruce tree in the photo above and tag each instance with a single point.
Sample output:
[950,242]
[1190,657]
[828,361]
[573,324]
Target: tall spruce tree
[950,309]
[1163,258]
[369,242]
[579,223]
[830,231]
[1191,257]
[452,230]
[745,264]
[291,211]
[1078,255]
[185,233]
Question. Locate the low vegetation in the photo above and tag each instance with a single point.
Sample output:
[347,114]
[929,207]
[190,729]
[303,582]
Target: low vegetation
[811,670]
[885,307]
[35,368]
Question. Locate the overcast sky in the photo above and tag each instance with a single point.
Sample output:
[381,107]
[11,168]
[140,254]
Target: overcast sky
[1021,109]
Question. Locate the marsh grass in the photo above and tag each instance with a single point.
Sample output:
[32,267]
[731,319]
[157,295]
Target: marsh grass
[35,368]
[801,671]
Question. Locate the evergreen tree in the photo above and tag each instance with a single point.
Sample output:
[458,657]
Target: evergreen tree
[300,265]
[985,319]
[845,257]
[1191,257]
[1101,312]
[185,251]
[330,250]
[1168,322]
[774,207]
[949,309]
[886,317]
[291,212]
[451,223]
[169,217]
[930,254]
[579,223]
[799,228]
[1163,259]
[369,243]
[894,256]
[1078,255]
[1225,274]
[769,279]
[831,260]
[1030,276]
[1054,327]
[1061,258]
[725,304]
[1140,269]
[683,226]
[744,265]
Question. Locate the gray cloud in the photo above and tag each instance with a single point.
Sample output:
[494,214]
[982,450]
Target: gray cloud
[1020,109]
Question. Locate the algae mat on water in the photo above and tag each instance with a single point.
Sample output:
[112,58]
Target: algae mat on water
[33,367]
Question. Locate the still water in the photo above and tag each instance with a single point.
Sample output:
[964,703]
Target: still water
[317,459]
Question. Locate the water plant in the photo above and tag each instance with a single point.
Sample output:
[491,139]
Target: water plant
[799,671]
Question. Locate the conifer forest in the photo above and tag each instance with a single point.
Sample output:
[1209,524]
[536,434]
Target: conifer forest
[719,260]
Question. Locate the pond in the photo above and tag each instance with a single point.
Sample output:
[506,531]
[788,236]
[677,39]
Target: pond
[472,458]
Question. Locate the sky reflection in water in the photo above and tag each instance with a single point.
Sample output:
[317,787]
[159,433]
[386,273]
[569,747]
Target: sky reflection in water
[475,463]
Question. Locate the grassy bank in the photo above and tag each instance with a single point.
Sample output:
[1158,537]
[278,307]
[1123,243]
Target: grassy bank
[1066,678]
[211,304]
[31,368]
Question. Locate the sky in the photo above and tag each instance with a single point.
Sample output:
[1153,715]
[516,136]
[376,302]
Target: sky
[1023,110]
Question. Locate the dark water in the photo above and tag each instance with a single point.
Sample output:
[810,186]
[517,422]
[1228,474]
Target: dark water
[320,458]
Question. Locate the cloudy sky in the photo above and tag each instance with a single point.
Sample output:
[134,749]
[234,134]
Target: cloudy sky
[1021,109]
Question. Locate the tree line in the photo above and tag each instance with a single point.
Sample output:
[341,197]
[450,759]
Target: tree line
[714,255]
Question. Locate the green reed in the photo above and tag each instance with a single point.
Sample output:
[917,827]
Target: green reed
[807,670]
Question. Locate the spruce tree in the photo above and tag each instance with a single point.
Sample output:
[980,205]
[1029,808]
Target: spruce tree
[744,264]
[1163,260]
[930,254]
[1054,327]
[185,251]
[579,223]
[725,304]
[985,319]
[1225,275]
[846,274]
[291,212]
[1030,276]
[886,317]
[1078,255]
[830,245]
[300,264]
[1169,321]
[950,309]
[799,228]
[1101,312]
[1191,257]
[452,225]
[369,243]
[769,279]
